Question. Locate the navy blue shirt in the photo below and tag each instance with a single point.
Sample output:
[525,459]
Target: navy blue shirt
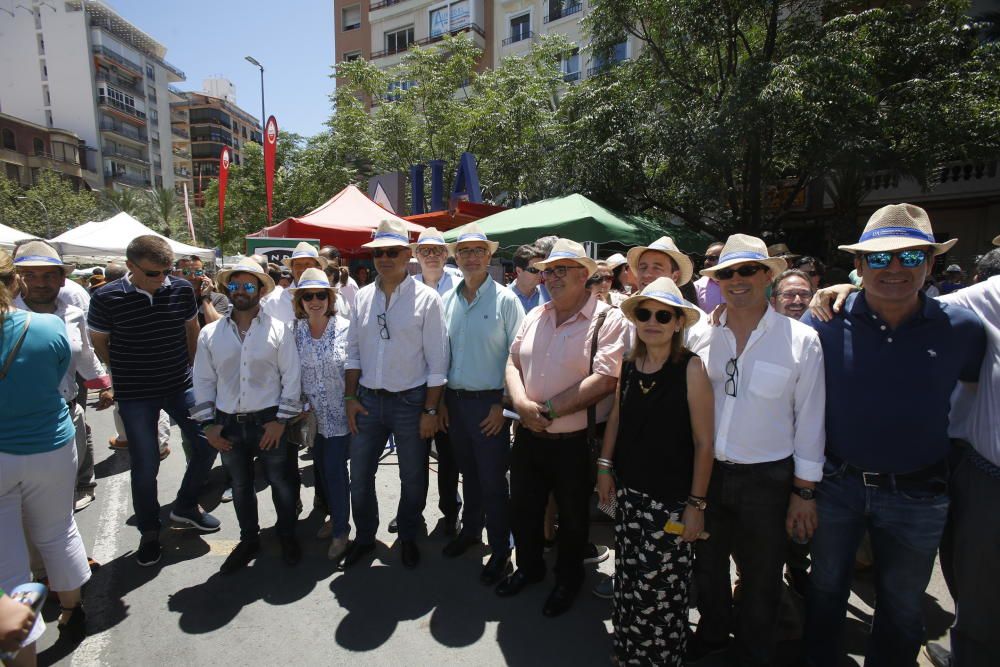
[888,392]
[149,351]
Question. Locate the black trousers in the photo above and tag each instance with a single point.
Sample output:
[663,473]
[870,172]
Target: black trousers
[747,506]
[539,466]
[449,502]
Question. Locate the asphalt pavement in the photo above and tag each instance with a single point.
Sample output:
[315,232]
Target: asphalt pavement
[183,612]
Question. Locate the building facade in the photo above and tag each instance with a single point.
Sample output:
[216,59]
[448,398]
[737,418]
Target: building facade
[27,148]
[80,66]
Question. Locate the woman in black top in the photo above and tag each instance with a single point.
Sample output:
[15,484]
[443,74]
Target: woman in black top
[658,452]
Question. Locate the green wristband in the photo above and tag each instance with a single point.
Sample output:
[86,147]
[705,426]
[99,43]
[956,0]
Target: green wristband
[350,398]
[552,411]
[604,471]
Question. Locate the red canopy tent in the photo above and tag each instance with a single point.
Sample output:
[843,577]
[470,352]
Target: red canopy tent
[347,221]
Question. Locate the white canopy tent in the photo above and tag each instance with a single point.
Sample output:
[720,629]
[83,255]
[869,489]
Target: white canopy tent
[9,236]
[107,239]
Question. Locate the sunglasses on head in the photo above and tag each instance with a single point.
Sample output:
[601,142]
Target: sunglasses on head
[249,287]
[744,271]
[662,316]
[908,259]
[391,253]
[319,296]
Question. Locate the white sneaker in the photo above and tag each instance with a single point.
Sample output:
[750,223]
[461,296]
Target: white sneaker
[337,548]
[595,553]
[83,499]
[325,531]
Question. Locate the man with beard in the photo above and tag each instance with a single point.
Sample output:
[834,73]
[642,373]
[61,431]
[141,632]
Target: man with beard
[247,388]
[791,292]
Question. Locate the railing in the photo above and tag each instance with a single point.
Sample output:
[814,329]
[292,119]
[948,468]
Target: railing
[562,12]
[520,37]
[133,88]
[118,59]
[124,108]
[603,68]
[129,179]
[57,158]
[179,132]
[184,155]
[133,133]
[117,152]
[570,77]
[175,90]
[468,27]
[183,173]
[383,3]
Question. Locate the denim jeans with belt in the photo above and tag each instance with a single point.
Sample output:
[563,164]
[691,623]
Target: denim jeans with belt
[330,455]
[398,414]
[239,461]
[905,524]
[140,419]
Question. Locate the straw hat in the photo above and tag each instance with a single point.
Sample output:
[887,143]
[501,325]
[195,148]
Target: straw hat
[615,261]
[471,233]
[246,265]
[567,249]
[996,241]
[430,236]
[898,227]
[390,233]
[953,268]
[313,279]
[39,253]
[95,280]
[666,245]
[741,249]
[305,250]
[781,250]
[666,292]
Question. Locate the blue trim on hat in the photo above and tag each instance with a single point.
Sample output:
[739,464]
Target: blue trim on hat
[391,235]
[907,232]
[311,253]
[665,295]
[431,240]
[39,258]
[742,255]
[564,254]
[313,283]
[472,236]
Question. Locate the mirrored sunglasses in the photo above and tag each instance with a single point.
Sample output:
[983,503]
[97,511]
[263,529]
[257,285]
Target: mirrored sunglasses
[248,287]
[908,259]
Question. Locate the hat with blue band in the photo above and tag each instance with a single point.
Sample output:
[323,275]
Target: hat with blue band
[664,245]
[471,233]
[568,249]
[898,227]
[39,253]
[744,249]
[391,233]
[247,265]
[312,279]
[305,250]
[665,291]
[430,236]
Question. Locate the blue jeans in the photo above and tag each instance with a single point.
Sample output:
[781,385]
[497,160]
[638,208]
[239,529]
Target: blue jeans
[140,419]
[245,439]
[330,456]
[483,461]
[398,414]
[905,528]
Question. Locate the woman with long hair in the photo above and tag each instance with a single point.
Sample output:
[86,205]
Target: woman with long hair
[37,460]
[655,462]
[321,338]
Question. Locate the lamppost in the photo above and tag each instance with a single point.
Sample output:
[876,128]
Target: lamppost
[263,118]
[48,230]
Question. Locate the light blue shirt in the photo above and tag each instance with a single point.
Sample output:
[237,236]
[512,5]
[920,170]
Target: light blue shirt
[528,303]
[480,335]
[449,279]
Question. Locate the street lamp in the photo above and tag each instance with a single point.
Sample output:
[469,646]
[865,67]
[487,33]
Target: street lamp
[263,118]
[48,230]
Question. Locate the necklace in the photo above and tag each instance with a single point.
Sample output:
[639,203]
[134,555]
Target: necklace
[645,390]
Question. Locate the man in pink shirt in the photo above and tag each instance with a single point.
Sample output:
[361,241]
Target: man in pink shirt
[708,290]
[551,385]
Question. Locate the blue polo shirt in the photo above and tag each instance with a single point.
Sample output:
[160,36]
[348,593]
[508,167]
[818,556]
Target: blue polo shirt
[888,392]
[149,352]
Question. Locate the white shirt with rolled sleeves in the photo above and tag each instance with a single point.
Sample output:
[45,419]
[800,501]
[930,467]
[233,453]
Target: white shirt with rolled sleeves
[780,404]
[416,350]
[262,371]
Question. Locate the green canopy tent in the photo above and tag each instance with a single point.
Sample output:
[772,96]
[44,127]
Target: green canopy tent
[576,217]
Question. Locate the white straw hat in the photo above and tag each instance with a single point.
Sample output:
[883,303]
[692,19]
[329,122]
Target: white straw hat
[471,233]
[567,249]
[305,250]
[312,279]
[615,261]
[39,253]
[666,292]
[898,227]
[996,241]
[430,236]
[390,233]
[246,265]
[741,249]
[666,245]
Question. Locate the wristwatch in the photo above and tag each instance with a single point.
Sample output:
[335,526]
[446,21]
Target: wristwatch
[431,411]
[804,493]
[697,503]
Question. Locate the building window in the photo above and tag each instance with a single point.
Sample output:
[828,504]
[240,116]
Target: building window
[351,56]
[560,8]
[13,173]
[571,66]
[46,97]
[395,89]
[48,119]
[38,145]
[120,97]
[9,141]
[618,53]
[398,40]
[351,18]
[520,28]
[150,72]
[448,18]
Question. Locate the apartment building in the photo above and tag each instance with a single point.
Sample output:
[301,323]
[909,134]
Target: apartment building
[80,66]
[27,148]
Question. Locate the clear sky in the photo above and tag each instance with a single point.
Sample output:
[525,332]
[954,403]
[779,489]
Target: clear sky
[292,39]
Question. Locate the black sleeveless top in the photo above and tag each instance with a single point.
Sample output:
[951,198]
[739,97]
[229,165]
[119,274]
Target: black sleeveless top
[654,452]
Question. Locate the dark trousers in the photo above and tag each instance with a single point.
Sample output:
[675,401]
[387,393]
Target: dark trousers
[239,462]
[449,502]
[537,467]
[483,461]
[747,507]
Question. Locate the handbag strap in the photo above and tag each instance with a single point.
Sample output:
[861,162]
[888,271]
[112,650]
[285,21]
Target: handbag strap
[17,348]
[592,409]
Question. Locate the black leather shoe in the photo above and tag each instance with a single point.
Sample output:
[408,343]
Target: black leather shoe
[495,569]
[355,553]
[240,556]
[409,553]
[393,526]
[513,584]
[291,551]
[560,600]
[460,545]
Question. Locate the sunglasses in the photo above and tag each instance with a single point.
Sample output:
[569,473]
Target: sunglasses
[391,254]
[603,279]
[733,377]
[662,316]
[156,274]
[249,288]
[319,296]
[383,326]
[532,270]
[744,271]
[429,252]
[190,272]
[558,272]
[471,252]
[908,259]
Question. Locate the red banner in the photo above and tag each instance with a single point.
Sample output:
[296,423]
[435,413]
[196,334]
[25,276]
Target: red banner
[270,145]
[224,160]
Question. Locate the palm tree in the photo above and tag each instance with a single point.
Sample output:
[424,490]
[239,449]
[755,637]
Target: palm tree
[126,200]
[162,210]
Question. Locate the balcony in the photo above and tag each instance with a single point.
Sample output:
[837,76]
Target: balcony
[56,158]
[124,155]
[121,129]
[128,179]
[556,13]
[570,77]
[469,27]
[176,131]
[518,37]
[131,87]
[183,155]
[121,108]
[175,90]
[121,61]
[382,4]
[182,173]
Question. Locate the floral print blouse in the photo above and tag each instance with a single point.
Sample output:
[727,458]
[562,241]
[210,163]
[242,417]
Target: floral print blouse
[323,373]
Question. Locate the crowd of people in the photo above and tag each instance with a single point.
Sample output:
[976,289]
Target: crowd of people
[737,413]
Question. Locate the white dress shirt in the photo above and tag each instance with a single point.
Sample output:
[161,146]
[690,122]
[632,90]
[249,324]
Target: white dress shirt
[348,291]
[262,371]
[780,403]
[416,350]
[278,304]
[449,279]
[74,294]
